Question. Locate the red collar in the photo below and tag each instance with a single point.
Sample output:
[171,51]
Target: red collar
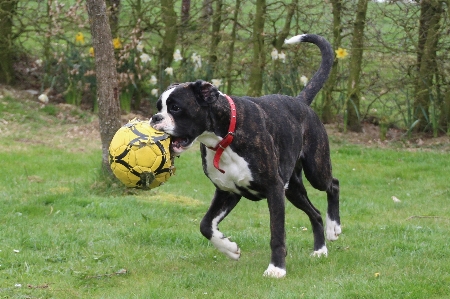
[226,141]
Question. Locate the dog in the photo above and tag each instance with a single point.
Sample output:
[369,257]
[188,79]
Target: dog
[257,147]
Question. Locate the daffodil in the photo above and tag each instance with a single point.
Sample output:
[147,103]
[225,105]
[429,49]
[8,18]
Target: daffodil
[117,43]
[282,57]
[79,38]
[177,55]
[169,71]
[341,53]
[153,80]
[140,47]
[274,54]
[304,80]
[216,82]
[197,60]
[91,51]
[145,58]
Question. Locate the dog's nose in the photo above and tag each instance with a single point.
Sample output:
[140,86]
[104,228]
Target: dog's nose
[156,118]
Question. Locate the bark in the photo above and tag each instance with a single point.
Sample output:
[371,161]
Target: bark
[185,12]
[7,12]
[279,42]
[258,62]
[169,40]
[106,75]
[327,94]
[353,88]
[231,47]
[215,38]
[430,16]
[114,11]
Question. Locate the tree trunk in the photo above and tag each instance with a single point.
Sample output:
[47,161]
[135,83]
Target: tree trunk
[7,12]
[185,12]
[327,94]
[215,39]
[106,75]
[114,11]
[231,48]
[353,89]
[258,62]
[430,16]
[169,18]
[278,44]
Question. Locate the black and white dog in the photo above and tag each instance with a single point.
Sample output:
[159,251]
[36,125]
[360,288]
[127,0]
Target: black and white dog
[257,148]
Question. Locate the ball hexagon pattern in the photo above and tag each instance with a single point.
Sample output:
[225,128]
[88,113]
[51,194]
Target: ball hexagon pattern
[140,155]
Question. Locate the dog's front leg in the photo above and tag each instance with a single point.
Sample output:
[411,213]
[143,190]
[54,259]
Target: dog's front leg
[222,204]
[277,266]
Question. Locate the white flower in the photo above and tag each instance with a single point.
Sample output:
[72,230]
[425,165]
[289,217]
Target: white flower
[140,47]
[197,60]
[145,58]
[274,54]
[154,92]
[177,55]
[43,98]
[304,80]
[38,62]
[282,57]
[216,82]
[169,71]
[153,80]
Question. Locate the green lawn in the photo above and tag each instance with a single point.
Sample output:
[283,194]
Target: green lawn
[66,233]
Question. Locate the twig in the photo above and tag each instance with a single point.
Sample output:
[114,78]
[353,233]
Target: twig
[120,272]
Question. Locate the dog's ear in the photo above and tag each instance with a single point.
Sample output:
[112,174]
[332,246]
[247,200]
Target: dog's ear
[205,92]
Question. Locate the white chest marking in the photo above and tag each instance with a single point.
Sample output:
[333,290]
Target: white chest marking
[237,172]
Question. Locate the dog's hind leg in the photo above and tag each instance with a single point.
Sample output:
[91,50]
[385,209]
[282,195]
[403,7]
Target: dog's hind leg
[333,226]
[297,195]
[221,205]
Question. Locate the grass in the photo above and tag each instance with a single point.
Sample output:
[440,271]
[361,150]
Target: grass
[66,233]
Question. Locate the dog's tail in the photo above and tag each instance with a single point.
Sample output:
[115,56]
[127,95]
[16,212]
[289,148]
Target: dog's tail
[318,80]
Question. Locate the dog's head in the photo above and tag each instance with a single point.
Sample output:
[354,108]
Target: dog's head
[183,112]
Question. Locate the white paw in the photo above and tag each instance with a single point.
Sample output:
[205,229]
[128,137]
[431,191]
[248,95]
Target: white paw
[333,230]
[321,252]
[274,272]
[224,245]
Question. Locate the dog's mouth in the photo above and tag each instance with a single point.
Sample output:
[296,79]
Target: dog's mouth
[180,144]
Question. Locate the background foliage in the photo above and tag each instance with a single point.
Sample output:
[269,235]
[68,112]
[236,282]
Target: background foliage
[160,42]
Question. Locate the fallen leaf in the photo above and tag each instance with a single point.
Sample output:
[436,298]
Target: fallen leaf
[395,199]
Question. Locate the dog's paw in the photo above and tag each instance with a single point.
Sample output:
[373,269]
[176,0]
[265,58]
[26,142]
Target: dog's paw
[224,245]
[321,252]
[333,230]
[274,272]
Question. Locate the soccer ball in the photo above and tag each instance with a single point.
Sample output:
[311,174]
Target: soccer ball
[140,156]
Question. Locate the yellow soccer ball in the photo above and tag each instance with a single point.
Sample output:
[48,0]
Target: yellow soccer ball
[140,155]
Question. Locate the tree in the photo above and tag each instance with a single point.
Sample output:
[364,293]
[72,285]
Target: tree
[258,62]
[327,94]
[231,46]
[7,12]
[430,15]
[353,89]
[169,39]
[106,74]
[215,38]
[114,12]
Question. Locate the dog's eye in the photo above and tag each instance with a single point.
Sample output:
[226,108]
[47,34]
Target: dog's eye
[174,108]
